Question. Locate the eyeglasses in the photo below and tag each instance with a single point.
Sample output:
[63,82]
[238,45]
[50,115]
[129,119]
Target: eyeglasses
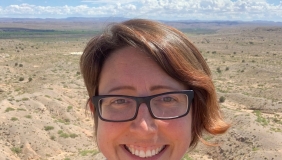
[121,108]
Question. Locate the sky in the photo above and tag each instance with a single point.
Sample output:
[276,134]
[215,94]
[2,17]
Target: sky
[232,10]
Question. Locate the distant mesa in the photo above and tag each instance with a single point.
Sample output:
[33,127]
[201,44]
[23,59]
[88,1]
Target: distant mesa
[76,53]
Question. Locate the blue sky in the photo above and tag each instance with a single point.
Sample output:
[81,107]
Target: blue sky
[245,10]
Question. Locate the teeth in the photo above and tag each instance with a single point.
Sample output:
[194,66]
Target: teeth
[144,152]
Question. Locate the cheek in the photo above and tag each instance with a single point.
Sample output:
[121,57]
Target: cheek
[104,136]
[108,134]
[180,131]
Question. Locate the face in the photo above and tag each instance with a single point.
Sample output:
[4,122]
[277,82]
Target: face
[129,71]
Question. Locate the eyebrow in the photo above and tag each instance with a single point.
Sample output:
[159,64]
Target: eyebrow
[158,87]
[121,88]
[153,88]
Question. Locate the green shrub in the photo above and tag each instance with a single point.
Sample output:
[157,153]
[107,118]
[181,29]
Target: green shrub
[86,152]
[16,150]
[47,128]
[221,99]
[218,70]
[25,99]
[69,108]
[64,135]
[9,109]
[73,135]
[21,109]
[52,137]
[260,119]
[14,119]
[186,157]
[28,116]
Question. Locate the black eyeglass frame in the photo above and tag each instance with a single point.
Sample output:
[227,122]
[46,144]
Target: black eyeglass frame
[139,101]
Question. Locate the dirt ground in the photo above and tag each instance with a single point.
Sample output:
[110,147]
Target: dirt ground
[42,95]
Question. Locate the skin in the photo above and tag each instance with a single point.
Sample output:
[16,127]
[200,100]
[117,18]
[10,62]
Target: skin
[128,71]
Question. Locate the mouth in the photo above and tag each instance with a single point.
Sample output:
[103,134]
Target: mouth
[144,152]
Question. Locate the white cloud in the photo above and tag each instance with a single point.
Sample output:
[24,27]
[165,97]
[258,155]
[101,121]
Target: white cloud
[156,9]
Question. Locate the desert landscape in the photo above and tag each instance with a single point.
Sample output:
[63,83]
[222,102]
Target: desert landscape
[43,98]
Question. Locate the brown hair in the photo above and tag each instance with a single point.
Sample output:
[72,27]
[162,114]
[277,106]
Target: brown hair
[173,52]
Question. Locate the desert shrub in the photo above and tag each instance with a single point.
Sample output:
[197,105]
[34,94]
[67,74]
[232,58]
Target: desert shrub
[65,121]
[16,150]
[21,79]
[260,119]
[14,119]
[73,135]
[218,70]
[60,132]
[234,52]
[186,157]
[20,65]
[2,49]
[221,99]
[69,108]
[16,64]
[28,116]
[9,109]
[25,99]
[227,68]
[213,52]
[53,137]
[29,79]
[67,159]
[64,135]
[243,61]
[86,152]
[47,128]
[21,109]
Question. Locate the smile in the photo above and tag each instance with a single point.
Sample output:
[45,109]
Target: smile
[144,152]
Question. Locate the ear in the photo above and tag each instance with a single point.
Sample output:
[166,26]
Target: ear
[91,106]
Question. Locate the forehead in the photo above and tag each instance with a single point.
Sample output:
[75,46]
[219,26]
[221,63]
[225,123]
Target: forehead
[132,67]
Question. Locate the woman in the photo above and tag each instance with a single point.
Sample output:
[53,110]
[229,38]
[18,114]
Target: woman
[150,92]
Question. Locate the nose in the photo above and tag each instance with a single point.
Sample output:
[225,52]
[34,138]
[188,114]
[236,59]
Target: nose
[144,123]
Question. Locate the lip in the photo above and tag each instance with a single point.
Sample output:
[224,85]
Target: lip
[133,157]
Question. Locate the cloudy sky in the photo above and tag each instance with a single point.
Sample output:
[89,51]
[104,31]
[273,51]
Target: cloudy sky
[246,10]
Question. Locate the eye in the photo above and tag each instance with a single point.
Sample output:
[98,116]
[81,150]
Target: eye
[119,101]
[167,99]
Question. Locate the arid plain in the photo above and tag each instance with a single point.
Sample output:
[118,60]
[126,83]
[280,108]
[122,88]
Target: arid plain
[42,95]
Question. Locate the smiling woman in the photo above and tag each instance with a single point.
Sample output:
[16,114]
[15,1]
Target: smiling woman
[150,92]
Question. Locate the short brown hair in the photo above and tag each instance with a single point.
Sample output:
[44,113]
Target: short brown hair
[173,52]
